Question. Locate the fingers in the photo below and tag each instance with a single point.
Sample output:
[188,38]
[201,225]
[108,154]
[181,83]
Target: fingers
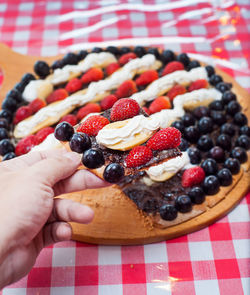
[56,232]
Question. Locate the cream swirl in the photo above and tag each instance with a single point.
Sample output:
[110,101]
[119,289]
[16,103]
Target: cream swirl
[50,142]
[37,89]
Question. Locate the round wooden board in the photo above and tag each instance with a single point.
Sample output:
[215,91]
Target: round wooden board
[117,220]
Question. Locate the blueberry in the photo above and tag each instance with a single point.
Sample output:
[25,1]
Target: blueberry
[197,195]
[80,142]
[64,131]
[192,134]
[218,117]
[201,111]
[223,87]
[26,78]
[6,147]
[125,50]
[205,125]
[139,51]
[113,49]
[97,50]
[6,115]
[227,97]
[82,54]
[178,125]
[167,56]
[243,141]
[58,64]
[224,141]
[70,59]
[239,153]
[225,177]
[20,86]
[209,166]
[9,104]
[215,79]
[113,173]
[168,212]
[233,165]
[240,119]
[205,143]
[211,185]
[183,203]
[3,133]
[183,145]
[193,64]
[188,120]
[4,124]
[183,58]
[93,158]
[245,130]
[42,69]
[15,94]
[233,107]
[228,129]
[217,153]
[194,155]
[210,71]
[9,156]
[216,105]
[154,51]
[167,196]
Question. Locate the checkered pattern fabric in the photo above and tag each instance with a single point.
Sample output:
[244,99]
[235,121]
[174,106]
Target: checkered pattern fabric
[214,260]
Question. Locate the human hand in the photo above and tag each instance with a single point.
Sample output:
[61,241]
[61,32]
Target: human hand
[30,217]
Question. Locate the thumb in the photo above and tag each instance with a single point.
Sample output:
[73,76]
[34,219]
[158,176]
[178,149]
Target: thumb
[54,169]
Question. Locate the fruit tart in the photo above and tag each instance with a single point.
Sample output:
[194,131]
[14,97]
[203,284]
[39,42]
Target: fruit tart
[169,133]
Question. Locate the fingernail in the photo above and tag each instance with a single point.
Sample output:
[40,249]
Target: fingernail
[75,157]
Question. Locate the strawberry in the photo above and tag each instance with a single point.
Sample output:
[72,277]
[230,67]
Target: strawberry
[192,176]
[111,68]
[25,145]
[87,109]
[176,90]
[172,67]
[58,94]
[160,103]
[92,75]
[138,156]
[146,110]
[71,119]
[93,125]
[198,84]
[74,85]
[43,133]
[22,113]
[123,109]
[36,105]
[167,138]
[125,58]
[126,89]
[108,102]
[146,78]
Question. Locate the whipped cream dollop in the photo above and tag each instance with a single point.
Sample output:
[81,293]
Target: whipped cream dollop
[50,142]
[37,89]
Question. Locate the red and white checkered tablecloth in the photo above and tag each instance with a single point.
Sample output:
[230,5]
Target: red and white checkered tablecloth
[215,260]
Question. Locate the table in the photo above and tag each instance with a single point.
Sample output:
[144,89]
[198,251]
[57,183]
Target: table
[214,260]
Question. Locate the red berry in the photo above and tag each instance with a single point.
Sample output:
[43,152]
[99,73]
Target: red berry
[160,103]
[198,84]
[73,85]
[37,104]
[92,75]
[58,94]
[87,109]
[111,68]
[123,109]
[172,67]
[126,89]
[146,78]
[93,125]
[43,133]
[167,138]
[146,110]
[71,119]
[22,113]
[192,176]
[108,102]
[138,156]
[25,145]
[125,58]
[176,90]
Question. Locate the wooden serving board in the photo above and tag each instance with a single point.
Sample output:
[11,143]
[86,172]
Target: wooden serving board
[117,219]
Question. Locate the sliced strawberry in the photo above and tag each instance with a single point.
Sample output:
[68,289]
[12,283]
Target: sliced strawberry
[146,78]
[125,58]
[58,94]
[138,156]
[167,138]
[192,176]
[108,102]
[43,133]
[71,119]
[146,110]
[37,104]
[25,145]
[172,67]
[160,103]
[92,75]
[22,113]
[73,85]
[126,89]
[93,125]
[176,90]
[198,84]
[87,109]
[111,68]
[123,109]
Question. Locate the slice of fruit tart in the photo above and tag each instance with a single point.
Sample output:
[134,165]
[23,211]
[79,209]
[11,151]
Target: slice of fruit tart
[169,133]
